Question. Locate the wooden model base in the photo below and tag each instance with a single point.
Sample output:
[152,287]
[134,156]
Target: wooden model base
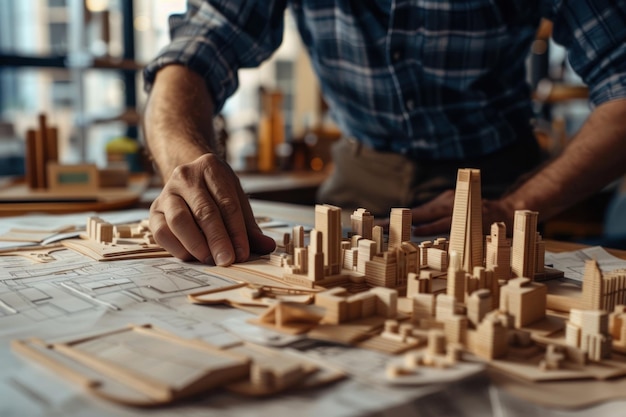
[103,241]
[143,366]
[568,394]
[248,295]
[138,365]
[40,254]
[113,252]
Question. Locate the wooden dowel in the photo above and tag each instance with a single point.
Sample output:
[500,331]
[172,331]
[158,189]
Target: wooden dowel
[31,158]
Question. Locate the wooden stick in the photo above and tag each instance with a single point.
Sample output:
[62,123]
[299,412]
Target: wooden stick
[52,145]
[31,158]
[34,349]
[41,152]
[149,386]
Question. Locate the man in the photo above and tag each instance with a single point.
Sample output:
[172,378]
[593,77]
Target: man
[419,88]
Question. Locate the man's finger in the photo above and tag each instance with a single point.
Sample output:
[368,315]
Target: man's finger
[209,237]
[226,196]
[440,206]
[259,243]
[440,226]
[165,238]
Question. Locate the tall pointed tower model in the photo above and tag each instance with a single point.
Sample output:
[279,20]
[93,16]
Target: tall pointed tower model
[466,233]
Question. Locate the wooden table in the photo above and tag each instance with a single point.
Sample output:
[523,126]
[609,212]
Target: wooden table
[352,397]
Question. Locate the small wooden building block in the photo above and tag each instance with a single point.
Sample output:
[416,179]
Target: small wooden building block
[73,177]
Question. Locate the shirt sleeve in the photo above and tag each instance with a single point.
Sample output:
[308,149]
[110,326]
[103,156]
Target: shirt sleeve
[594,33]
[217,37]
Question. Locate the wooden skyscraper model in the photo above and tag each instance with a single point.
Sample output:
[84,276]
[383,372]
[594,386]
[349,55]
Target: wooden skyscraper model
[523,263]
[466,233]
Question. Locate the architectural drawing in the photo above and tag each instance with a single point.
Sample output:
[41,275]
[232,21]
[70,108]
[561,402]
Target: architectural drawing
[34,293]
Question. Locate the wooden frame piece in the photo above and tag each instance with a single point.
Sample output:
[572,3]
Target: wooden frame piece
[138,365]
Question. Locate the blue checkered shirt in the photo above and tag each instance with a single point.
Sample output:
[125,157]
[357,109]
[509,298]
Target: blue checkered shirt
[431,79]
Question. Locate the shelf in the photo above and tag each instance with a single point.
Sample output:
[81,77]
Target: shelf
[51,61]
[130,117]
[61,61]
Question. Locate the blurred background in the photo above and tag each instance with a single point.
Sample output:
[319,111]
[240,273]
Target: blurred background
[79,62]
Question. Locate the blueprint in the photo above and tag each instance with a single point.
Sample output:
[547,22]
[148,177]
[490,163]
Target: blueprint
[33,294]
[71,294]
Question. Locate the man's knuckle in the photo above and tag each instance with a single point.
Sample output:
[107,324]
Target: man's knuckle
[180,171]
[229,206]
[160,232]
[204,212]
[177,218]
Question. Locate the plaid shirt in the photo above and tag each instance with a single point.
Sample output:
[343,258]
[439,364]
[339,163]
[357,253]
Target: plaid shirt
[427,78]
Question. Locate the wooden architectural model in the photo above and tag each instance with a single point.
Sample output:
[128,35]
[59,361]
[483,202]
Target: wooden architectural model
[600,290]
[472,293]
[104,241]
[466,232]
[498,252]
[527,259]
[451,306]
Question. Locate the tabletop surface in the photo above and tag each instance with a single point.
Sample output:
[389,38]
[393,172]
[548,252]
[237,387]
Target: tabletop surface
[44,300]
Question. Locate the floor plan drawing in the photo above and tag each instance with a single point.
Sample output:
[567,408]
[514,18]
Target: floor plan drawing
[32,293]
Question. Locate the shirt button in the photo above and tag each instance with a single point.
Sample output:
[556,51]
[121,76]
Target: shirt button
[410,104]
[396,56]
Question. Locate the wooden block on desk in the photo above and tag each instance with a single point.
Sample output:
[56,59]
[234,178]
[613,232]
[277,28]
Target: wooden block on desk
[52,144]
[40,163]
[31,158]
[72,177]
[114,177]
[271,370]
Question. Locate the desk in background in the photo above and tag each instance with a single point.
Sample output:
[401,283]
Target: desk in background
[297,187]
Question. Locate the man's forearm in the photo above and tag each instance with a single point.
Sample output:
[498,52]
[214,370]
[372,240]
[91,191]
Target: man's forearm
[595,157]
[178,119]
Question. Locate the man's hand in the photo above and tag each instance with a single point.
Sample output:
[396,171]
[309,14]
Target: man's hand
[203,213]
[435,217]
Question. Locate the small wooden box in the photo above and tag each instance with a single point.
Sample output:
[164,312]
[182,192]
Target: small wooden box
[73,177]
